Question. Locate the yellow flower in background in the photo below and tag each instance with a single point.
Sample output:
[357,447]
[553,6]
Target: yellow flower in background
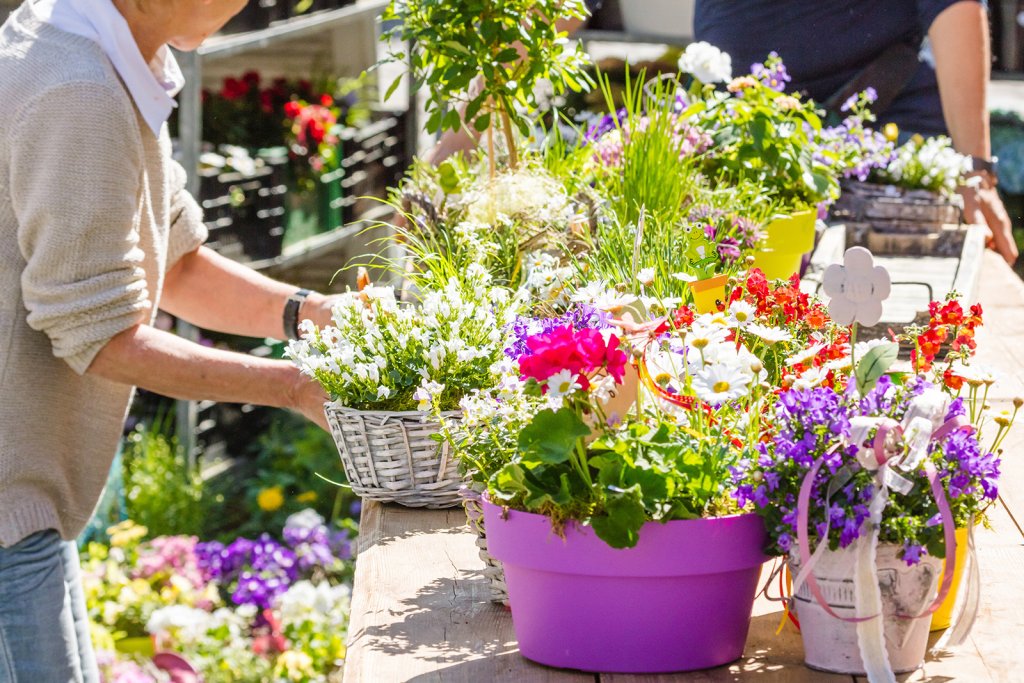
[891,131]
[270,499]
[917,139]
[126,533]
[294,665]
[307,497]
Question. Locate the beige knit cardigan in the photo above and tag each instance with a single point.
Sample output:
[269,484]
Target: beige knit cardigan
[93,212]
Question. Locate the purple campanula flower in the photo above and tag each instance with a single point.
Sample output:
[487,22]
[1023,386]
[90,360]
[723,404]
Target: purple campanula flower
[912,553]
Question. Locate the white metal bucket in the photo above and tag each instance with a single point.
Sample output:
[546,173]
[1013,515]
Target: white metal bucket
[830,644]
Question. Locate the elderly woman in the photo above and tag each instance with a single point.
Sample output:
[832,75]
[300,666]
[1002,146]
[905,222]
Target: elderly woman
[96,233]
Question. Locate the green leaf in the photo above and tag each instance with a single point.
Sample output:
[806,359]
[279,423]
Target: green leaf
[873,365]
[624,514]
[482,122]
[392,88]
[758,129]
[457,46]
[551,436]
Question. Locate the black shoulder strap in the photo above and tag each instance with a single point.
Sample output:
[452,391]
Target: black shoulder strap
[888,74]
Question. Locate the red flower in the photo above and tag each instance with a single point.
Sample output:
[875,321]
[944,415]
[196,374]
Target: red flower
[251,78]
[234,89]
[949,314]
[757,284]
[683,317]
[269,639]
[292,109]
[952,381]
[816,318]
[326,100]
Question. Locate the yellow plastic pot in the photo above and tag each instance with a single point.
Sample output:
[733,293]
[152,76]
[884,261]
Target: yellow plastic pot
[708,292]
[943,616]
[792,233]
[778,265]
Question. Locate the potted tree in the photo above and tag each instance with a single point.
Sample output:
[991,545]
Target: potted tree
[483,62]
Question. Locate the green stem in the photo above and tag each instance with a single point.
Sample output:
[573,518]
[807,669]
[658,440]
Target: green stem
[853,344]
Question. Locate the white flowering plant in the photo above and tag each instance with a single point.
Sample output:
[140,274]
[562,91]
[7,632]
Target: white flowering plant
[380,354]
[519,226]
[926,164]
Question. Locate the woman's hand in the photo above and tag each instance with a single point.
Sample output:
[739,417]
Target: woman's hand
[982,206]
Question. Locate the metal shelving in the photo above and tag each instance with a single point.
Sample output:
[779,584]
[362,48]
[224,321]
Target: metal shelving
[342,34]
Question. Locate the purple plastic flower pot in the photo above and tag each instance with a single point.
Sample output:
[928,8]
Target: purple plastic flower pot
[680,600]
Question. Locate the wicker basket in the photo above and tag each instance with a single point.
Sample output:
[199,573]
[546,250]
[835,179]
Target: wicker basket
[493,570]
[891,209]
[392,457]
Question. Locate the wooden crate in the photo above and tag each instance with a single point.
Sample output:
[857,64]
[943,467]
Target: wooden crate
[891,209]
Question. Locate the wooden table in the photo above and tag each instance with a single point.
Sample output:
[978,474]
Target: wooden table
[420,610]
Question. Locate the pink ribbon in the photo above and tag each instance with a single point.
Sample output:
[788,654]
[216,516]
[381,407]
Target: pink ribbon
[948,525]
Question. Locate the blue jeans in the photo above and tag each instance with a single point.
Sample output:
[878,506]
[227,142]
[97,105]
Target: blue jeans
[44,627]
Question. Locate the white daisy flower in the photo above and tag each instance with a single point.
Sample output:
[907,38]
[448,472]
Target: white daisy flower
[805,356]
[742,312]
[974,374]
[772,335]
[563,383]
[702,336]
[720,383]
[810,379]
[645,276]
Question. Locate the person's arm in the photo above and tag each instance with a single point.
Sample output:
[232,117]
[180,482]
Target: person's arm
[216,293]
[960,44]
[169,365]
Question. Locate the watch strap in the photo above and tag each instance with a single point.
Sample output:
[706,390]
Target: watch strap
[983,164]
[291,313]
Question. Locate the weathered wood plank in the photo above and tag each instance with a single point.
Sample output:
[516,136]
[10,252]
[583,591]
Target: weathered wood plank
[420,610]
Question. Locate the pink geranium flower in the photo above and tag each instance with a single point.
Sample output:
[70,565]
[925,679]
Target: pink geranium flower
[583,352]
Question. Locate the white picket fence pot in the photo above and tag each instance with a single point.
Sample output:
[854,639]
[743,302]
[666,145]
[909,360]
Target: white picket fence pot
[830,644]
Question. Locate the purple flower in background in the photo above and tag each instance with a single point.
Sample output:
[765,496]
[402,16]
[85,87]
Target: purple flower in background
[729,249]
[772,72]
[604,125]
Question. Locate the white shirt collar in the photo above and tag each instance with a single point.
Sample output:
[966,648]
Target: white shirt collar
[152,86]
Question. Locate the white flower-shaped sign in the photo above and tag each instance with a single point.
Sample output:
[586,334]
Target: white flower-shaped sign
[857,288]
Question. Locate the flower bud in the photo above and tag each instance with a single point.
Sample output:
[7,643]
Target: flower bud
[1018,402]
